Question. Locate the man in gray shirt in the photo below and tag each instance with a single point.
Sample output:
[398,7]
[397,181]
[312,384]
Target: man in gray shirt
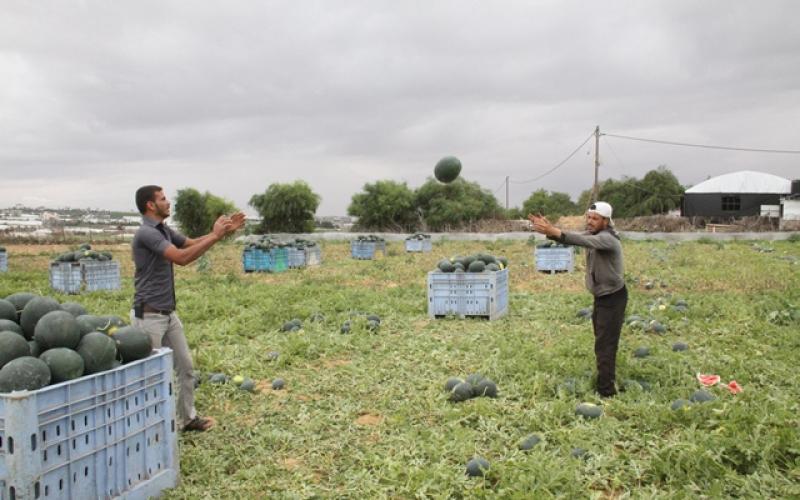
[604,279]
[156,248]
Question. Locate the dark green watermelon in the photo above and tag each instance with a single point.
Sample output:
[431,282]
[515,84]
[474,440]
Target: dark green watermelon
[33,312]
[65,364]
[74,308]
[57,329]
[24,374]
[8,310]
[132,343]
[10,326]
[477,267]
[98,351]
[12,346]
[19,300]
[447,169]
[89,323]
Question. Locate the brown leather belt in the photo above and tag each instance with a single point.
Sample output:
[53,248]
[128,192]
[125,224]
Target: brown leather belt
[149,309]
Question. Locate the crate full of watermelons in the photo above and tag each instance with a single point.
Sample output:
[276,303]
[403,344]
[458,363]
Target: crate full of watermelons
[3,260]
[367,247]
[475,285]
[554,257]
[419,243]
[265,255]
[73,270]
[86,406]
[312,255]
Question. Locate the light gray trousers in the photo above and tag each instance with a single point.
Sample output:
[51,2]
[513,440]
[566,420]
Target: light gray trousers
[167,331]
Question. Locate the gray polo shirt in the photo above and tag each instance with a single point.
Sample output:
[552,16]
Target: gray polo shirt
[154,279]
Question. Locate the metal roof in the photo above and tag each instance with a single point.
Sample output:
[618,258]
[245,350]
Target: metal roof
[745,181]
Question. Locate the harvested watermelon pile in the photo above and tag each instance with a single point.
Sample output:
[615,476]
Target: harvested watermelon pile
[369,237]
[418,236]
[43,342]
[477,263]
[552,244]
[83,252]
[267,242]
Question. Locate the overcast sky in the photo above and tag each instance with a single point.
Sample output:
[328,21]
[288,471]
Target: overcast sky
[98,98]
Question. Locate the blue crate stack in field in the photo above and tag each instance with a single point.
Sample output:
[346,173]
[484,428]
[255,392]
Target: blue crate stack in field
[273,260]
[84,269]
[100,275]
[270,255]
[66,277]
[367,247]
[313,255]
[107,435]
[465,294]
[3,260]
[419,243]
[552,258]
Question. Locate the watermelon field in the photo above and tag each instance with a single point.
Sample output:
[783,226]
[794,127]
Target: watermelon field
[366,415]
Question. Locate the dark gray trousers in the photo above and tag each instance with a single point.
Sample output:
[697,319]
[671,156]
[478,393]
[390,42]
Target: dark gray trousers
[607,318]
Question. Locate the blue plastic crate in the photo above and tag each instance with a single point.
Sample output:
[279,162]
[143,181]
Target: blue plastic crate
[468,294]
[65,277]
[108,435]
[313,256]
[3,262]
[258,260]
[295,258]
[419,245]
[367,250]
[554,259]
[100,274]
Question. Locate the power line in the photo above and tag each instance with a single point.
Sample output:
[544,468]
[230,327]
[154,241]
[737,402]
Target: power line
[706,146]
[500,187]
[633,185]
[562,162]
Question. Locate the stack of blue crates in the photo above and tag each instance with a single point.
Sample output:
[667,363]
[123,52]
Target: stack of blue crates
[260,260]
[100,274]
[366,250]
[423,245]
[313,256]
[107,435]
[462,294]
[3,261]
[66,277]
[295,257]
[555,259]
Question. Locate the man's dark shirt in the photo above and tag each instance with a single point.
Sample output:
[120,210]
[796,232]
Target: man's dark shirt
[154,279]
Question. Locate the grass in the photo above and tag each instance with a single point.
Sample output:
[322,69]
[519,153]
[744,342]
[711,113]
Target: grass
[365,415]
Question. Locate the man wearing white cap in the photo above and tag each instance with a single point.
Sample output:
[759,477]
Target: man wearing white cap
[604,279]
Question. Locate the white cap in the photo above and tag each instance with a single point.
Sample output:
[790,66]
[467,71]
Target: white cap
[601,208]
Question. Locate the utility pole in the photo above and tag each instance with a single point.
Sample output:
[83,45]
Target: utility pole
[596,161]
[506,193]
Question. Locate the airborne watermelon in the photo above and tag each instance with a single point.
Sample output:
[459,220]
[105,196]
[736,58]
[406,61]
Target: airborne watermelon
[447,169]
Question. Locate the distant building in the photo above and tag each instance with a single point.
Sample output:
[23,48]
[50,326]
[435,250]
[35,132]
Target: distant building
[739,194]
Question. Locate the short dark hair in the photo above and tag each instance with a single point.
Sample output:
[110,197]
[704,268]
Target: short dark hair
[145,194]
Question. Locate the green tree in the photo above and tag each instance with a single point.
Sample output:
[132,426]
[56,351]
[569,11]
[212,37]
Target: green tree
[190,212]
[658,192]
[197,212]
[551,204]
[287,208]
[455,205]
[385,205]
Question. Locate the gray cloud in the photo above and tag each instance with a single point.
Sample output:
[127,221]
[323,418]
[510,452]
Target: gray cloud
[99,98]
